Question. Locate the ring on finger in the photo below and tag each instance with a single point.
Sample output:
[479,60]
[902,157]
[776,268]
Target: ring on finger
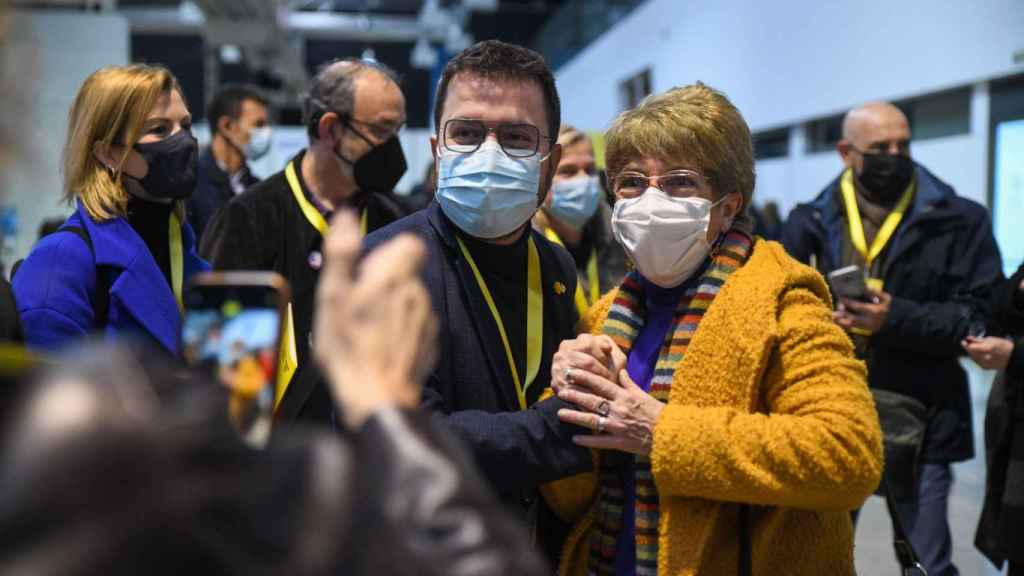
[601,423]
[568,376]
[604,408]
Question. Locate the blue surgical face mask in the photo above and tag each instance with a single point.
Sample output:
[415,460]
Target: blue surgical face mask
[575,200]
[487,194]
[259,143]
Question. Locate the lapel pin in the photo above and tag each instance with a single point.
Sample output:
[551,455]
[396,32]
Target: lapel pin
[316,260]
[559,288]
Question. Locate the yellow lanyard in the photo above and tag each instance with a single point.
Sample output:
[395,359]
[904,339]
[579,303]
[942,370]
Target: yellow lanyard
[177,260]
[582,304]
[308,210]
[857,226]
[534,319]
[288,356]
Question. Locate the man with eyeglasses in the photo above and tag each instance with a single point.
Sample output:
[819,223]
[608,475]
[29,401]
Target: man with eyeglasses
[353,114]
[928,257]
[503,293]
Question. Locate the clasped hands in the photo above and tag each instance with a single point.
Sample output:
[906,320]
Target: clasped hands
[589,372]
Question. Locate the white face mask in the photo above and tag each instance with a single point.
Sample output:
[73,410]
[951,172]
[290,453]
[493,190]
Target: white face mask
[665,237]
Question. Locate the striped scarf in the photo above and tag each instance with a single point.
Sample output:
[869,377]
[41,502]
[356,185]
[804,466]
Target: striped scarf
[624,324]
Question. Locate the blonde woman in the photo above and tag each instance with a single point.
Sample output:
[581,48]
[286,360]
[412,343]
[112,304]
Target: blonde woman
[576,215]
[118,264]
[733,427]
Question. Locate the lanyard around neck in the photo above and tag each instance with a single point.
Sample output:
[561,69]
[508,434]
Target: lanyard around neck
[892,221]
[593,281]
[315,218]
[177,260]
[534,319]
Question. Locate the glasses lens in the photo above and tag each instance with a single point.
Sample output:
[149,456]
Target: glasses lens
[519,140]
[630,184]
[464,135]
[681,184]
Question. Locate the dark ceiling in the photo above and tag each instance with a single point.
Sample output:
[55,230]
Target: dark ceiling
[515,21]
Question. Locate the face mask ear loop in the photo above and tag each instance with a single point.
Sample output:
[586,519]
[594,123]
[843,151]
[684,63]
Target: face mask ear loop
[719,239]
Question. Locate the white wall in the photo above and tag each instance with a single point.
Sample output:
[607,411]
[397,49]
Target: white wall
[790,60]
[786,62]
[53,54]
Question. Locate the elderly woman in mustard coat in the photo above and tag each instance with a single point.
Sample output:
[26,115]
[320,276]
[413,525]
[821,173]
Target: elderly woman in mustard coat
[733,430]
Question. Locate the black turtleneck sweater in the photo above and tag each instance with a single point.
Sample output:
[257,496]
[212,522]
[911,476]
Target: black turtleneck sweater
[151,221]
[504,270]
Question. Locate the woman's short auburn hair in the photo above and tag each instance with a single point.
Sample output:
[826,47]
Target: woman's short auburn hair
[110,109]
[696,124]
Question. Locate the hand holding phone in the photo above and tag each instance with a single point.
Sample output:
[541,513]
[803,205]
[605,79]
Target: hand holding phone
[849,283]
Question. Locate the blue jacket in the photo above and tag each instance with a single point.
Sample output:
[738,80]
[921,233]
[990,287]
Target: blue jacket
[939,269]
[55,286]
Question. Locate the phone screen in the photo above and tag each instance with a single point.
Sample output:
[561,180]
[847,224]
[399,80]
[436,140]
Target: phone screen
[233,333]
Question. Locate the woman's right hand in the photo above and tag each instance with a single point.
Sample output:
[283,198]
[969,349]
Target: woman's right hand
[375,334]
[596,354]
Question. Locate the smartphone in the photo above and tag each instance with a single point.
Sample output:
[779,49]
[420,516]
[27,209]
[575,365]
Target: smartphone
[849,283]
[232,330]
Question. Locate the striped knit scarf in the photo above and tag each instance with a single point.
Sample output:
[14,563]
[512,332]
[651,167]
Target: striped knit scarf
[624,323]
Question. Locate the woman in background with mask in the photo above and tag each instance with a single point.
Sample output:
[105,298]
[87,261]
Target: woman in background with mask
[576,215]
[118,264]
[732,426]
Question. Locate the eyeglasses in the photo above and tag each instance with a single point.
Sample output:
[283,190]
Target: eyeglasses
[380,132]
[467,136]
[678,183]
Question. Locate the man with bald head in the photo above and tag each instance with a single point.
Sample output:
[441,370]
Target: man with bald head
[353,114]
[928,257]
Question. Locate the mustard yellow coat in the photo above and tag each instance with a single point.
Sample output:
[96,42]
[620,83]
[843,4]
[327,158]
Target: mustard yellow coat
[769,407]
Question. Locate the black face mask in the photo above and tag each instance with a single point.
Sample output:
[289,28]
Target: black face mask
[379,169]
[886,176]
[172,166]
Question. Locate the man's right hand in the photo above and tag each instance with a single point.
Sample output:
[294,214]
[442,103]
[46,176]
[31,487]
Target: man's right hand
[598,355]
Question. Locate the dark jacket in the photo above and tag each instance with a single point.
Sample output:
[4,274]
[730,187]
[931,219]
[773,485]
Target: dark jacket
[472,386]
[55,286]
[10,322]
[264,228]
[166,487]
[213,190]
[999,535]
[939,268]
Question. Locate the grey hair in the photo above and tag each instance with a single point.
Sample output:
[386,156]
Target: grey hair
[333,89]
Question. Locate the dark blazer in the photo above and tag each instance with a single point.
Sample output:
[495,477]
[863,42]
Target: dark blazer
[999,534]
[56,284]
[939,268]
[472,386]
[213,190]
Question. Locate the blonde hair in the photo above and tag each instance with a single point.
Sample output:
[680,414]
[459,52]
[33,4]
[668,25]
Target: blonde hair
[110,109]
[569,135]
[696,123]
